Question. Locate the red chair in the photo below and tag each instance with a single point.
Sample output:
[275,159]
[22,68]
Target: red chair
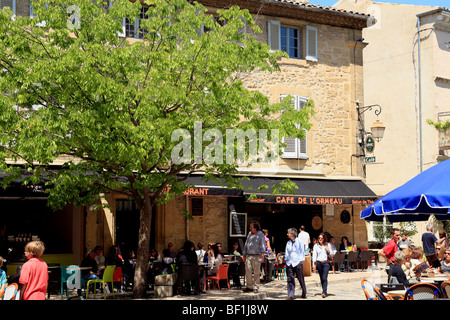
[222,274]
[118,277]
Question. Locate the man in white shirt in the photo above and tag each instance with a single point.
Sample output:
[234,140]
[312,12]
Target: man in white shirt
[303,236]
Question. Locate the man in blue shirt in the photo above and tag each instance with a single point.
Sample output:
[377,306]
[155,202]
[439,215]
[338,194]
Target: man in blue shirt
[294,256]
[429,247]
[254,250]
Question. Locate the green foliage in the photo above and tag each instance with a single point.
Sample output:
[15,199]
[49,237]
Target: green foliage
[110,105]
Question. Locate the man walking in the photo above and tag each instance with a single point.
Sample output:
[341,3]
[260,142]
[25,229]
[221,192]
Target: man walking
[390,249]
[429,247]
[294,255]
[254,249]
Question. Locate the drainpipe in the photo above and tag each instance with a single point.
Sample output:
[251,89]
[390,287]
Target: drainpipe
[420,98]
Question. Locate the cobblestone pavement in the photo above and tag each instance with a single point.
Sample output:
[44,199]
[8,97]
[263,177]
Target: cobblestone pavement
[341,286]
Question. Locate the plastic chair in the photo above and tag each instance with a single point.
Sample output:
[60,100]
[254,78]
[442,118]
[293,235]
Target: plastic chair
[10,292]
[368,289]
[222,274]
[107,278]
[445,288]
[118,277]
[421,291]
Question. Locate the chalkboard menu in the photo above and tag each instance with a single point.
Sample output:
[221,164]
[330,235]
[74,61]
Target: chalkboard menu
[238,224]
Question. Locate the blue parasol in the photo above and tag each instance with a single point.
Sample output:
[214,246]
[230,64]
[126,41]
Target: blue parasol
[425,194]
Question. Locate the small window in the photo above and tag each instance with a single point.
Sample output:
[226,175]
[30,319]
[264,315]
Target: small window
[298,43]
[290,42]
[196,206]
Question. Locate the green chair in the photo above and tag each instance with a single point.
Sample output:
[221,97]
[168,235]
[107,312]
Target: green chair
[107,278]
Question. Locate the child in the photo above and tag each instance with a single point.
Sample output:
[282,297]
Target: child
[3,282]
[34,274]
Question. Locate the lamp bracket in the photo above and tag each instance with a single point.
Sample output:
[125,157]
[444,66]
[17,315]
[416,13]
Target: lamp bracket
[365,108]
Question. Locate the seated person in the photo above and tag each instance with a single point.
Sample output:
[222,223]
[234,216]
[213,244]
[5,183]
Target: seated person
[233,269]
[397,271]
[214,259]
[344,244]
[93,273]
[188,257]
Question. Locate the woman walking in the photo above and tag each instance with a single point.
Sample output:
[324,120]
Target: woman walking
[322,257]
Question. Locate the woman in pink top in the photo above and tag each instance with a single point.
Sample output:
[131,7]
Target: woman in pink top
[34,274]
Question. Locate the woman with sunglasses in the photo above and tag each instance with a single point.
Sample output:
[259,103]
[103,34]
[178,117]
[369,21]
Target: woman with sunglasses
[322,256]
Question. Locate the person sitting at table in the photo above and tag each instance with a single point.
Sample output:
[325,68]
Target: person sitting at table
[200,252]
[233,269]
[129,266]
[344,244]
[214,260]
[154,256]
[99,257]
[445,264]
[92,273]
[187,257]
[114,258]
[409,266]
[396,270]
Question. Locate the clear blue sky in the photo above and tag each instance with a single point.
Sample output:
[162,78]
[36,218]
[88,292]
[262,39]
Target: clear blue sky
[440,3]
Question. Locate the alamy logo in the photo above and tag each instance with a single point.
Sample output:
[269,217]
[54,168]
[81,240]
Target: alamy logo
[73,22]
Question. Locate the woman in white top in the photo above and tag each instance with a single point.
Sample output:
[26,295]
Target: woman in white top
[322,255]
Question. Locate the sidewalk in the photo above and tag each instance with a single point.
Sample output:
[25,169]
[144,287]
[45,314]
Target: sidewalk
[341,286]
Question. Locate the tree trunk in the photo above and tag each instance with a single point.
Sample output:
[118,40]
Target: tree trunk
[140,275]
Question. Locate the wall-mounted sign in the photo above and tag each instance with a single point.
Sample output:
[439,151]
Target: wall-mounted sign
[370,160]
[369,144]
[238,224]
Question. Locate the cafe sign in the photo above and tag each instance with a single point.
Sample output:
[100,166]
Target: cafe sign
[369,144]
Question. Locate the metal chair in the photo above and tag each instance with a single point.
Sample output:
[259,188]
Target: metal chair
[352,257]
[338,259]
[422,291]
[366,256]
[368,289]
[445,289]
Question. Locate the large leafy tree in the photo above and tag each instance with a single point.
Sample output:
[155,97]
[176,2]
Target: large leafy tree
[71,86]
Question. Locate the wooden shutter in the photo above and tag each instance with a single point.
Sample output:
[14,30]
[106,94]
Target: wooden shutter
[295,148]
[274,39]
[311,43]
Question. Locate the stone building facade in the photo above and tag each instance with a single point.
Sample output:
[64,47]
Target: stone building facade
[326,66]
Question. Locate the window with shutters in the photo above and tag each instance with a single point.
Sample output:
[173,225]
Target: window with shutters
[298,43]
[132,28]
[295,148]
[8,3]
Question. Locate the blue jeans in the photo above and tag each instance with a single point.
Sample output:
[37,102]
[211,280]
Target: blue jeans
[323,269]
